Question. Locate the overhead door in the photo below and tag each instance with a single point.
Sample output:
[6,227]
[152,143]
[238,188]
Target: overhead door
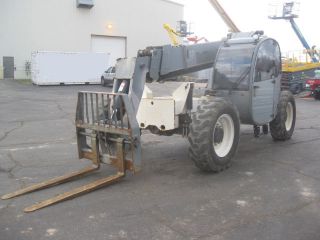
[116,46]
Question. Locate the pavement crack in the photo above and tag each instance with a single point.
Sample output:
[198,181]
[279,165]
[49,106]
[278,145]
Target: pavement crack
[296,170]
[7,204]
[309,128]
[298,142]
[7,133]
[60,108]
[234,224]
[12,176]
[166,222]
[65,114]
[11,170]
[33,145]
[290,143]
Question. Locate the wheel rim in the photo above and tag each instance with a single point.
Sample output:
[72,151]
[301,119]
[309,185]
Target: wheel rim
[289,120]
[223,135]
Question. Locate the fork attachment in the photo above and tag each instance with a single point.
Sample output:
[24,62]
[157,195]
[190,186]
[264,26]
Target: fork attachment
[107,132]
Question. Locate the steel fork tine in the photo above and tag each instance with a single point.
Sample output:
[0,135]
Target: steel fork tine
[88,187]
[76,192]
[50,182]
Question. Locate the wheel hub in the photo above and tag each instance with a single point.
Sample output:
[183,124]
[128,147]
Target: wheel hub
[289,120]
[218,134]
[223,135]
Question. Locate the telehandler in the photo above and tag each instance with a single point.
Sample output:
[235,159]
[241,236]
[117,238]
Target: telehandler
[244,88]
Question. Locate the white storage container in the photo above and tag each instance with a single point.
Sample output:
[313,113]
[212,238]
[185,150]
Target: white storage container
[57,68]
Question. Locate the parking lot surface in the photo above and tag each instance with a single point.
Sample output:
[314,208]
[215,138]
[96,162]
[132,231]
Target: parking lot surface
[272,190]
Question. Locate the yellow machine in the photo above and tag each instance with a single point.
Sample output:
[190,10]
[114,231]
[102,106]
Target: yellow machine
[173,35]
[297,66]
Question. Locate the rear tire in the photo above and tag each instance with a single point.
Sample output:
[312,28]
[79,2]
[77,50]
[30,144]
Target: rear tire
[282,127]
[214,134]
[256,131]
[316,93]
[103,83]
[111,83]
[265,129]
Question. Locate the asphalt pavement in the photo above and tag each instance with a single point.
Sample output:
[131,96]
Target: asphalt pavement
[272,190]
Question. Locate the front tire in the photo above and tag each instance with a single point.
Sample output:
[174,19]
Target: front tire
[282,127]
[214,134]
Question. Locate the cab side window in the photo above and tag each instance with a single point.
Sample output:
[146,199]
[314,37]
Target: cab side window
[268,61]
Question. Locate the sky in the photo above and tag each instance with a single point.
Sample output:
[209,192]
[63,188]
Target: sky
[250,15]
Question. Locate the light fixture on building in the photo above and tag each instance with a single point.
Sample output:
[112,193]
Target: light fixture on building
[109,26]
[85,4]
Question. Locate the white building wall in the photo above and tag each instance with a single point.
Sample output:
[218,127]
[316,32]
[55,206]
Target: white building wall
[58,25]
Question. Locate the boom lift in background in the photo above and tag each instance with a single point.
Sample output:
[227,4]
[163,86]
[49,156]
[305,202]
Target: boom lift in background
[296,72]
[182,29]
[290,13]
[182,26]
[225,17]
[173,35]
[181,33]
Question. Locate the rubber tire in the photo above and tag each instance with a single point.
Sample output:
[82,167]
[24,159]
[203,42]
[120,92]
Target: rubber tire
[256,131]
[265,129]
[103,83]
[111,84]
[201,149]
[316,93]
[277,126]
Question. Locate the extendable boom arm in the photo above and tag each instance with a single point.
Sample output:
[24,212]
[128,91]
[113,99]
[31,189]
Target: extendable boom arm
[160,63]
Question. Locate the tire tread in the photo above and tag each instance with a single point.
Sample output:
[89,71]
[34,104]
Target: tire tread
[199,135]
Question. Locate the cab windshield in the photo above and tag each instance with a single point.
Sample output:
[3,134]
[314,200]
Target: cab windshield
[232,69]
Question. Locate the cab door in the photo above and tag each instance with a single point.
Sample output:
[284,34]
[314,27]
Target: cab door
[266,80]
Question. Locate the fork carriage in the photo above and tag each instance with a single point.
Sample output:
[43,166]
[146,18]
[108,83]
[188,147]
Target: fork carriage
[105,134]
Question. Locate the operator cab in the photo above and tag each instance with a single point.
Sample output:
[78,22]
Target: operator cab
[247,70]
